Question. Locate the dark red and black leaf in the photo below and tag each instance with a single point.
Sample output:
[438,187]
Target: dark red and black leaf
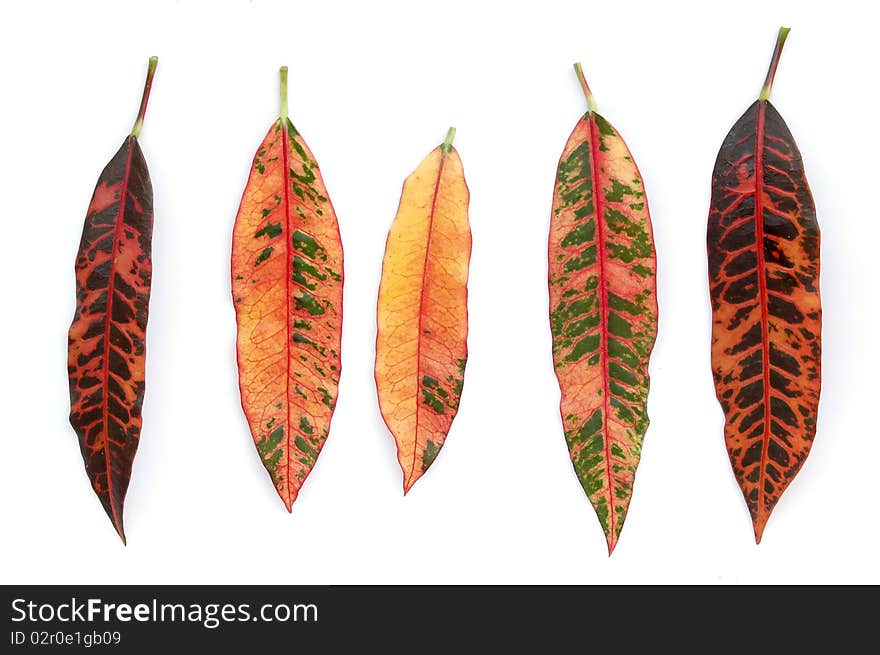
[106,342]
[763,248]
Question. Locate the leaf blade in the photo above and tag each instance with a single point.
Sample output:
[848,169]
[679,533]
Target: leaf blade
[763,249]
[107,338]
[421,342]
[287,281]
[603,312]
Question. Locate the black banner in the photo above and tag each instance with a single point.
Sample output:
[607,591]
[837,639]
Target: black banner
[410,619]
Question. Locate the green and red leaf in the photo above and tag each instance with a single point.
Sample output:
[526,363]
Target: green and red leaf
[107,339]
[763,248]
[603,311]
[287,292]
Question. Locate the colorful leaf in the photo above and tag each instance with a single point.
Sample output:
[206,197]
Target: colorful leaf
[287,292]
[603,311]
[421,344]
[106,343]
[763,246]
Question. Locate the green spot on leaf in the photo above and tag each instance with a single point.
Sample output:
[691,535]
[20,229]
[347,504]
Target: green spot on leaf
[433,402]
[270,230]
[306,301]
[308,246]
[270,453]
[429,454]
[263,256]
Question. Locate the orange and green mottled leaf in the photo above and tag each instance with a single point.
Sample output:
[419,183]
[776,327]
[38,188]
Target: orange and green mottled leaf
[763,247]
[603,311]
[421,344]
[287,292]
[107,339]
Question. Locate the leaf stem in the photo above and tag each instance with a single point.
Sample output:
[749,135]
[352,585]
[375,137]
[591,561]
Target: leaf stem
[774,62]
[283,94]
[446,146]
[591,102]
[139,122]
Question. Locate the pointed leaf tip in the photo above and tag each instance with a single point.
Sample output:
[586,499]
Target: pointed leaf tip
[612,543]
[410,478]
[118,526]
[758,525]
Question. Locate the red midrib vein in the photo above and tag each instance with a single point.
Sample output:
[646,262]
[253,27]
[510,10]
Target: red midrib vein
[422,303]
[762,293]
[603,314]
[111,289]
[288,274]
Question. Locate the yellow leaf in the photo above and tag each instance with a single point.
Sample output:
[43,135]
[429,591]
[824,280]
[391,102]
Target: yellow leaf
[421,345]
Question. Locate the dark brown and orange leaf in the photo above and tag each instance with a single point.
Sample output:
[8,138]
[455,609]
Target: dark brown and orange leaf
[287,292]
[106,342]
[421,342]
[763,247]
[603,311]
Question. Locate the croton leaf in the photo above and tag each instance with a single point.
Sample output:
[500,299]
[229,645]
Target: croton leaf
[287,292]
[106,343]
[763,247]
[603,311]
[421,343]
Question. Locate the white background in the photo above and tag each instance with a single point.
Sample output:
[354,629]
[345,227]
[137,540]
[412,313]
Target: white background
[373,87]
